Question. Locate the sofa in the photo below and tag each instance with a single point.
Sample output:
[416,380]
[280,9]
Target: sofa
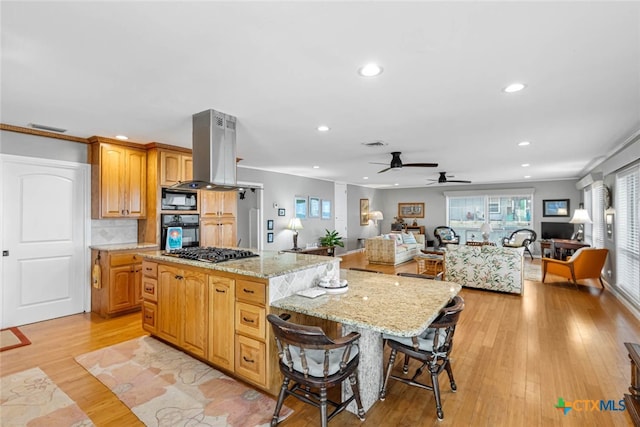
[393,248]
[485,267]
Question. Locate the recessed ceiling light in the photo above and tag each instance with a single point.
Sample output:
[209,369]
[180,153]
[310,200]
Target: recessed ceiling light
[527,176]
[514,87]
[122,137]
[370,70]
[316,167]
[323,128]
[525,165]
[365,177]
[523,143]
[396,184]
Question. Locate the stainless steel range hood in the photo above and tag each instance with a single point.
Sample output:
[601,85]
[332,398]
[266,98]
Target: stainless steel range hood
[214,153]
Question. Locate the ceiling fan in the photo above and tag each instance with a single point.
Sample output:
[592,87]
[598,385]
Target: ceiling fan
[396,163]
[442,179]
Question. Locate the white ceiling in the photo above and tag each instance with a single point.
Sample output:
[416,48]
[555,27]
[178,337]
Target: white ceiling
[283,68]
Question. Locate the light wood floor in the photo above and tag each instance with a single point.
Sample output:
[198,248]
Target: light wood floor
[514,357]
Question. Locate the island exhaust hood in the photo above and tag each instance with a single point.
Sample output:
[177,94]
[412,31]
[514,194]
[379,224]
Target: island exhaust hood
[214,153]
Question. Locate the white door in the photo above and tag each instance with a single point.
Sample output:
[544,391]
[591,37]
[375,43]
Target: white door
[44,239]
[340,193]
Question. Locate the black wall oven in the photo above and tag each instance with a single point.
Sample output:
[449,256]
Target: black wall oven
[190,224]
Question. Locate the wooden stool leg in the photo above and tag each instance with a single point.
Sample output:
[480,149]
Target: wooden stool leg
[392,358]
[353,380]
[281,396]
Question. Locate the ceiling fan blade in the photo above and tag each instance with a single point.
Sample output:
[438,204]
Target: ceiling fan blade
[378,163]
[384,170]
[421,165]
[458,180]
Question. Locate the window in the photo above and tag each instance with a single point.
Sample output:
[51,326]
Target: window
[627,206]
[505,212]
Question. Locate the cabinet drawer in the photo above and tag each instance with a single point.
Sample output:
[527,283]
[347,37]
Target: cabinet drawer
[150,289]
[250,320]
[149,318]
[253,292]
[116,260]
[149,269]
[251,359]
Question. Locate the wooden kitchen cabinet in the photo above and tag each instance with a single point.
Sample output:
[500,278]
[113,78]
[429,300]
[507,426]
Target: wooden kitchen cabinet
[120,285]
[182,308]
[118,180]
[251,331]
[175,167]
[221,321]
[216,316]
[218,203]
[218,232]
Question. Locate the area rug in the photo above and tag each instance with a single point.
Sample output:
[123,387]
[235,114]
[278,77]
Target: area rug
[532,272]
[165,387]
[31,398]
[12,338]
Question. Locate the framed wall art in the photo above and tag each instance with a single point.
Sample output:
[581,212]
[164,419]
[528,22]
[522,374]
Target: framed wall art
[326,209]
[300,207]
[364,211]
[269,237]
[411,210]
[556,207]
[314,207]
[269,224]
[282,212]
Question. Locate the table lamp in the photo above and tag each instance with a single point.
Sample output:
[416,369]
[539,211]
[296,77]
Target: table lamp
[295,224]
[375,216]
[485,229]
[580,217]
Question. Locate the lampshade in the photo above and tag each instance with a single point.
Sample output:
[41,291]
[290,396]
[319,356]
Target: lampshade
[295,224]
[580,216]
[485,228]
[375,215]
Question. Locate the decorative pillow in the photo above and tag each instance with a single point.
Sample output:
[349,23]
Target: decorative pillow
[386,237]
[520,238]
[398,238]
[408,238]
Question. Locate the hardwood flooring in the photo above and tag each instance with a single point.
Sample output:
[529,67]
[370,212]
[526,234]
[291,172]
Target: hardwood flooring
[514,356]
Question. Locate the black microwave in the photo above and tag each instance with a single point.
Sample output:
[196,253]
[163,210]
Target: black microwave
[179,200]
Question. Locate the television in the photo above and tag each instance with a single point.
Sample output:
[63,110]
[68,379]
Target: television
[556,230]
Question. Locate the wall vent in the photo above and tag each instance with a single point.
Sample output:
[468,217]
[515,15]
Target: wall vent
[48,128]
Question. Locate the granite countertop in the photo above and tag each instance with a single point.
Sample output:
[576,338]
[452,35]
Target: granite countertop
[402,306]
[124,246]
[268,264]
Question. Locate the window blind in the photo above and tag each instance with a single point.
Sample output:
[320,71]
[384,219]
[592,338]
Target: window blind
[627,205]
[597,214]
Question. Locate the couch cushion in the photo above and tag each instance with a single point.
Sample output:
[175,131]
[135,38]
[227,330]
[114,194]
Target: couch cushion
[408,238]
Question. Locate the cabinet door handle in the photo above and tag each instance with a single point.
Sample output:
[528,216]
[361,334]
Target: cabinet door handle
[148,268]
[248,320]
[179,277]
[222,291]
[148,316]
[248,360]
[247,291]
[149,289]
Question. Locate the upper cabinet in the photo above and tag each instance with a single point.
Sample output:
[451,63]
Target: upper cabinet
[118,179]
[175,167]
[218,203]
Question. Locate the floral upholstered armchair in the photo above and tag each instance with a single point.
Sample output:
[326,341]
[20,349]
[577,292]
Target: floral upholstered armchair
[445,235]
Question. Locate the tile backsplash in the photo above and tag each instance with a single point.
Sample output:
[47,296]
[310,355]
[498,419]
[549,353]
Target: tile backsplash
[112,231]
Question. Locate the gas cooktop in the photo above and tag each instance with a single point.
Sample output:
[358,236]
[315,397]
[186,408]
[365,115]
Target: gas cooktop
[210,254]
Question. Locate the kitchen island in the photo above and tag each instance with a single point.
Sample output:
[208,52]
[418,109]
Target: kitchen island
[374,304]
[217,311]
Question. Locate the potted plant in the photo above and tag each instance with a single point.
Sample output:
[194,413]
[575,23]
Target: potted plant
[331,240]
